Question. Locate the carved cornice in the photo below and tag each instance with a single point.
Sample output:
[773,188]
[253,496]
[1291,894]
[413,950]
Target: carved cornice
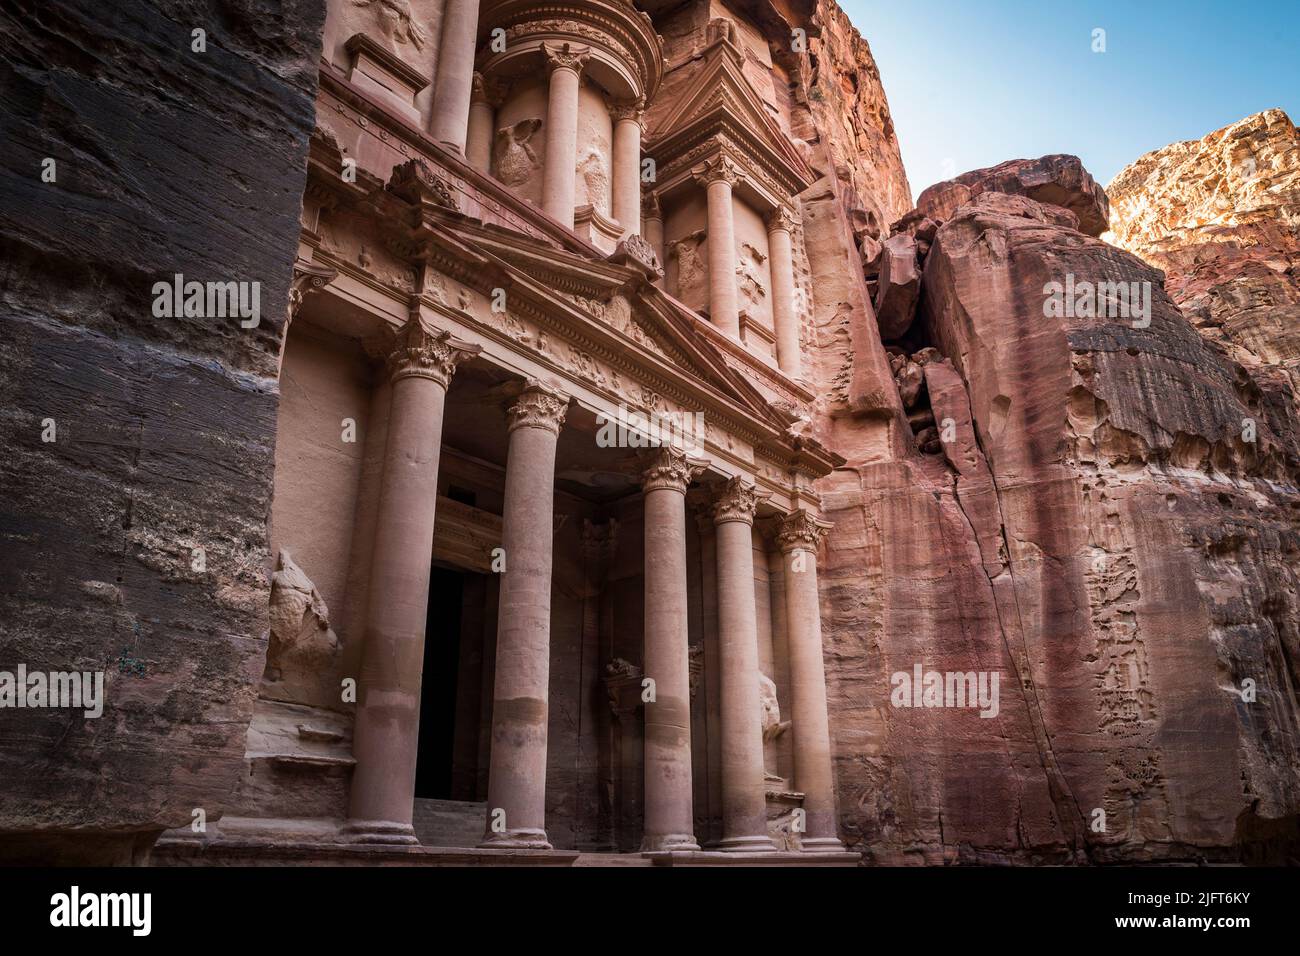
[538,406]
[717,169]
[737,500]
[635,250]
[415,182]
[422,352]
[614,29]
[668,468]
[800,531]
[565,56]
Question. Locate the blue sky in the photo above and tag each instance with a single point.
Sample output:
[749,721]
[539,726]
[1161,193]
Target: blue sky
[974,82]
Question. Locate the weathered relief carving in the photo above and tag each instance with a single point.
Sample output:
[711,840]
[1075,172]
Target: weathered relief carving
[692,270]
[593,177]
[302,645]
[773,726]
[513,154]
[397,22]
[749,273]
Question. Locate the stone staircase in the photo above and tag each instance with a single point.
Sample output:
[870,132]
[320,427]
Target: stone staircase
[450,823]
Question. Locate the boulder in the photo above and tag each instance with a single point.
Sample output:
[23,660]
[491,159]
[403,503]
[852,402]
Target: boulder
[1057,180]
[900,286]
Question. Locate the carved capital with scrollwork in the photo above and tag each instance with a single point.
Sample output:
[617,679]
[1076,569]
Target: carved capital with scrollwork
[538,406]
[627,111]
[719,169]
[737,500]
[565,56]
[782,217]
[668,468]
[801,531]
[419,351]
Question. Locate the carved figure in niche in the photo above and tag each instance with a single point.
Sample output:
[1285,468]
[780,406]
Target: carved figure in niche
[302,641]
[692,270]
[593,173]
[773,726]
[512,153]
[396,21]
[748,274]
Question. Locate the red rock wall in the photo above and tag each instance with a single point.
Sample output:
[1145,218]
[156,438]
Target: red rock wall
[168,160]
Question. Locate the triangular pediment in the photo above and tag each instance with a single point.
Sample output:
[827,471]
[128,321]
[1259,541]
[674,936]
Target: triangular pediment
[721,97]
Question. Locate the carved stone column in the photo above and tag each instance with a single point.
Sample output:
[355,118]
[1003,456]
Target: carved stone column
[719,176]
[744,807]
[799,536]
[516,806]
[455,75]
[784,316]
[565,64]
[652,228]
[627,165]
[669,819]
[484,100]
[388,694]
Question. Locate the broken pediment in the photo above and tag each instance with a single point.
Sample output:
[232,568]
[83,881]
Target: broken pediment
[719,103]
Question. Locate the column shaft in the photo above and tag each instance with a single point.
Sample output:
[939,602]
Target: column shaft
[455,74]
[744,806]
[652,228]
[516,810]
[784,317]
[478,144]
[388,701]
[627,170]
[669,815]
[814,775]
[723,308]
[561,164]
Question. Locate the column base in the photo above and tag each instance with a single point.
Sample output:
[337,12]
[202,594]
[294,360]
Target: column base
[821,845]
[669,842]
[522,839]
[379,832]
[747,844]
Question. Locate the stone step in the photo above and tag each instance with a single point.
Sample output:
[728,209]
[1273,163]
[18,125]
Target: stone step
[612,859]
[450,823]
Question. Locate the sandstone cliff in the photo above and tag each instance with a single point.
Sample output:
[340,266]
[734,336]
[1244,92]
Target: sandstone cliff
[1078,507]
[139,450]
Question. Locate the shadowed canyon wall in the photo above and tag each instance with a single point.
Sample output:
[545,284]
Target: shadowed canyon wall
[139,450]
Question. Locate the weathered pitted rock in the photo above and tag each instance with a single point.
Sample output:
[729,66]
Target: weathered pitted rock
[1056,180]
[1099,507]
[1221,217]
[138,534]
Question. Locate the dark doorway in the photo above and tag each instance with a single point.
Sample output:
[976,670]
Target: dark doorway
[438,686]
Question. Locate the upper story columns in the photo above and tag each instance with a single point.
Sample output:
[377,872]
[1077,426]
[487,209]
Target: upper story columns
[455,76]
[627,164]
[564,65]
[718,176]
[785,319]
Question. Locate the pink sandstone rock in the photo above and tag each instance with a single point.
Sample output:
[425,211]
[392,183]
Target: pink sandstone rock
[900,286]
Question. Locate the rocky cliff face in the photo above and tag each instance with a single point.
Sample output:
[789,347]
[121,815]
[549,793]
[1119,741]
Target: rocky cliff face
[139,449]
[1090,502]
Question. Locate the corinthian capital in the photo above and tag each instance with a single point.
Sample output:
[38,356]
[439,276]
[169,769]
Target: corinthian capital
[627,111]
[668,467]
[418,351]
[538,406]
[565,56]
[719,169]
[782,217]
[736,501]
[800,531]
